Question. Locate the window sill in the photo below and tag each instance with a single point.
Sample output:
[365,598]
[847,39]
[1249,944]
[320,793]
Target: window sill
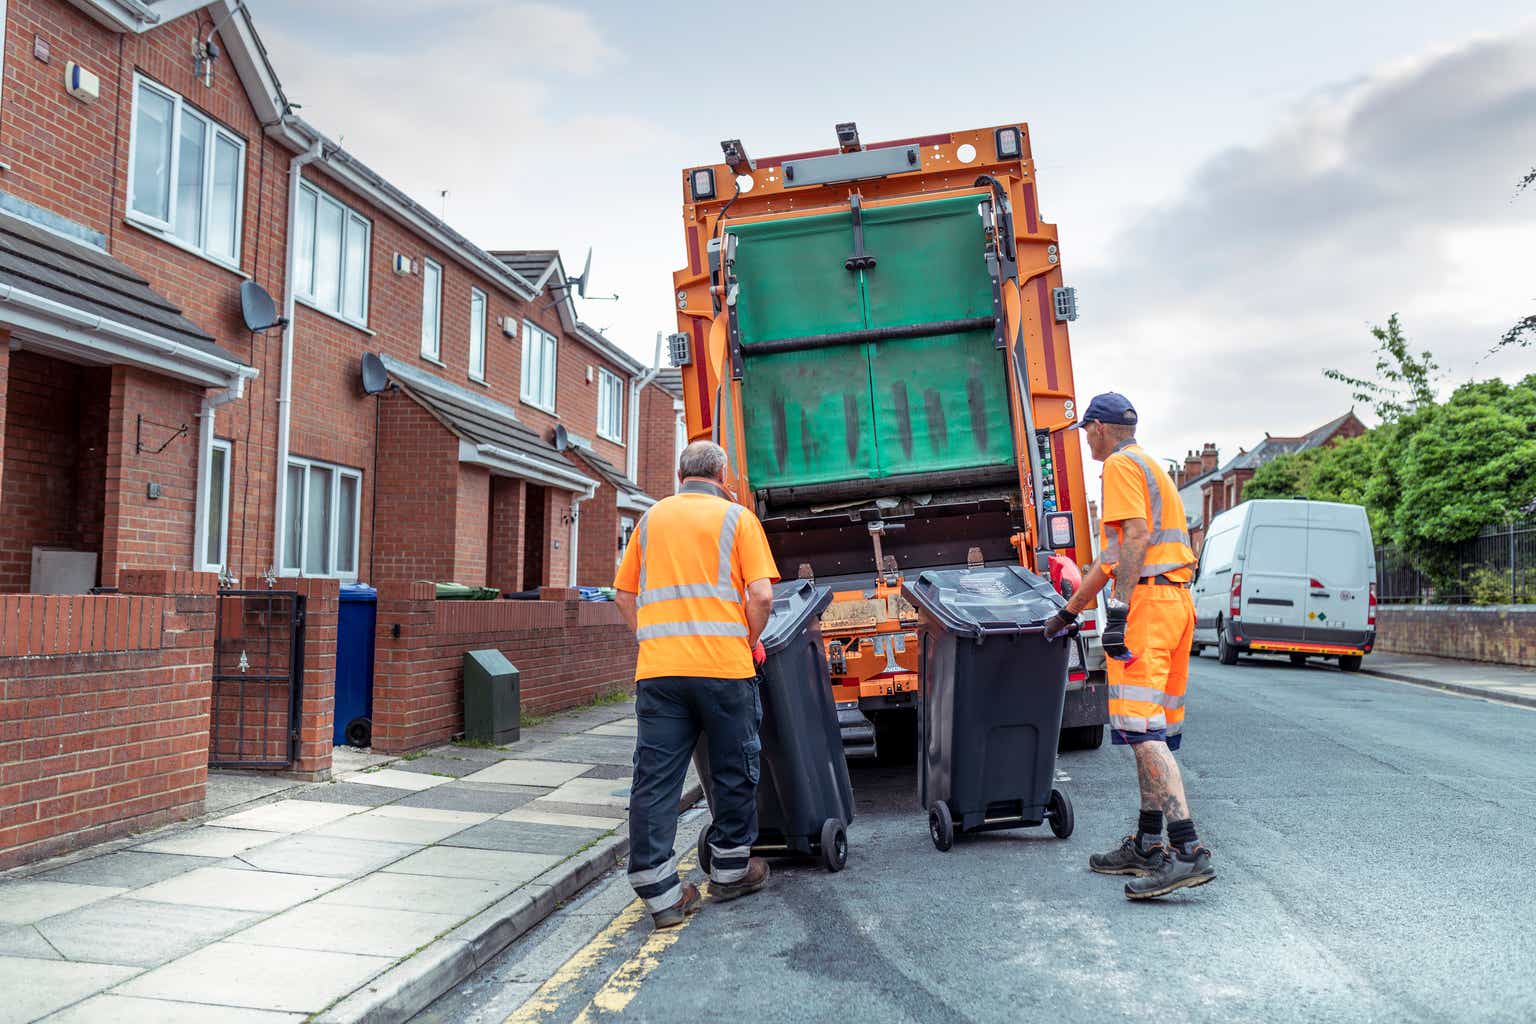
[480,381]
[435,362]
[301,301]
[535,405]
[171,240]
[611,440]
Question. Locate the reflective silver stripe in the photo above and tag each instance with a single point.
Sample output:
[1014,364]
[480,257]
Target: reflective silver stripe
[683,590]
[656,904]
[640,533]
[1162,567]
[1135,723]
[1146,694]
[659,873]
[728,543]
[1175,728]
[662,629]
[1169,537]
[723,589]
[1172,703]
[724,875]
[1158,535]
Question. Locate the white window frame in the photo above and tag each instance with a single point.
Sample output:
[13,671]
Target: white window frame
[532,392]
[351,221]
[477,334]
[337,473]
[213,132]
[435,353]
[205,497]
[610,405]
[626,530]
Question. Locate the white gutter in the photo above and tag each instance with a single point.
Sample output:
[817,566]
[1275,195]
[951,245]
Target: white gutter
[637,386]
[90,335]
[285,380]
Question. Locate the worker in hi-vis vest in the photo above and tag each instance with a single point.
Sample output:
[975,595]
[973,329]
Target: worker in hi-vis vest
[696,585]
[1144,551]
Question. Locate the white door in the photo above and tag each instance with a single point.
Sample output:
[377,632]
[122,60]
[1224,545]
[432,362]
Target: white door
[1339,571]
[1275,579]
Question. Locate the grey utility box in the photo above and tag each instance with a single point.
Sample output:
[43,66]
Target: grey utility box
[492,698]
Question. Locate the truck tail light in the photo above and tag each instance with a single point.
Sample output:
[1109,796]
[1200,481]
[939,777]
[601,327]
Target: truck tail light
[1234,609]
[1089,625]
[1370,614]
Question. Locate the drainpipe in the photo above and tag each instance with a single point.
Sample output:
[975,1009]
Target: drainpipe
[205,420]
[632,456]
[285,386]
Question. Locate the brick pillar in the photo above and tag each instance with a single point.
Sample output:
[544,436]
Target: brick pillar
[505,554]
[557,539]
[406,616]
[471,534]
[317,706]
[5,374]
[598,539]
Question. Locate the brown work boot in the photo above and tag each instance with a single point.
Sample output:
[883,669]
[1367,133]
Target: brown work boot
[755,878]
[688,903]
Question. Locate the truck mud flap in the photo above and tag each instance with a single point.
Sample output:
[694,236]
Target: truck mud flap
[858,732]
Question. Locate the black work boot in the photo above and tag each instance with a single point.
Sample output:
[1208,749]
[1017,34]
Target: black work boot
[1179,870]
[1127,859]
[688,903]
[755,878]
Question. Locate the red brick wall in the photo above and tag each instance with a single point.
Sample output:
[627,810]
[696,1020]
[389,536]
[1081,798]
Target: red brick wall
[417,495]
[418,690]
[598,539]
[557,539]
[472,525]
[1504,635]
[505,555]
[103,713]
[657,465]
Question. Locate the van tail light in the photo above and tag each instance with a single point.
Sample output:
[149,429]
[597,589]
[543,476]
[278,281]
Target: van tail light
[1370,615]
[1234,609]
[1316,583]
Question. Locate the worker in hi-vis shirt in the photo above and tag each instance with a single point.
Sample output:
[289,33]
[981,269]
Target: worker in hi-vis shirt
[1144,552]
[696,585]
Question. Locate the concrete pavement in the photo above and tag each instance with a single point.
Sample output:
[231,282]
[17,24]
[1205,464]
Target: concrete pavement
[1371,840]
[1512,683]
[362,898]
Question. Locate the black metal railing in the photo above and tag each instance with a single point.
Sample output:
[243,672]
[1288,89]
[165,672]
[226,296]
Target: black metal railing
[258,672]
[1498,566]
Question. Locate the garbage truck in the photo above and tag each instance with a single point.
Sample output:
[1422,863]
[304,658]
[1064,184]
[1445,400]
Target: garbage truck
[877,335]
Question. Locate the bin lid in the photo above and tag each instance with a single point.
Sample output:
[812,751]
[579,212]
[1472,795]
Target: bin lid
[358,592]
[794,603]
[986,600]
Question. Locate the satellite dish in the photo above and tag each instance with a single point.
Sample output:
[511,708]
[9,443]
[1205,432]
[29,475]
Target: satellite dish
[375,377]
[580,282]
[560,437]
[258,308]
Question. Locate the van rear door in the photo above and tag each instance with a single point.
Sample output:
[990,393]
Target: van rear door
[1339,560]
[1275,573]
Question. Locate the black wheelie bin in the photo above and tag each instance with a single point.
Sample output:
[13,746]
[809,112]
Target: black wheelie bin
[804,797]
[993,689]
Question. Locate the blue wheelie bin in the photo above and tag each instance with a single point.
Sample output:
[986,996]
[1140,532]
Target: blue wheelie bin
[993,690]
[354,665]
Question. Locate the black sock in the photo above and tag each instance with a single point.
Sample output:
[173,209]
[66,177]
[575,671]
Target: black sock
[1149,829]
[1182,835]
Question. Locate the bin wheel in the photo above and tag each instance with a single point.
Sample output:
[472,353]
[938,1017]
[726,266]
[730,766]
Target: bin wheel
[941,827]
[359,732]
[1059,810]
[705,857]
[834,845]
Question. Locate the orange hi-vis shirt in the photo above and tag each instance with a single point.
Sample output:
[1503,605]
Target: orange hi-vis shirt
[688,563]
[1136,487]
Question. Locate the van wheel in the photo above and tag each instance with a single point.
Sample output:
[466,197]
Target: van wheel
[1225,652]
[1349,662]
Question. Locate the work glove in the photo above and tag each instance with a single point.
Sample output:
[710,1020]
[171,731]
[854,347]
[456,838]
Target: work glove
[1060,624]
[758,654]
[1113,636]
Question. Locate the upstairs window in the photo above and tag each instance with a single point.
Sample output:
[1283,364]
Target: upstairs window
[330,266]
[186,174]
[431,310]
[540,354]
[477,334]
[610,407]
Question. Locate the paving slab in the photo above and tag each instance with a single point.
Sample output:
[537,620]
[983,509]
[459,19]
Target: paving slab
[113,1009]
[340,928]
[286,816]
[598,792]
[524,837]
[624,727]
[138,933]
[33,988]
[586,747]
[393,778]
[438,764]
[352,759]
[440,814]
[436,895]
[379,828]
[459,862]
[332,856]
[28,901]
[546,806]
[484,755]
[127,869]
[233,889]
[233,788]
[462,796]
[545,774]
[207,841]
[26,940]
[354,793]
[263,977]
[538,817]
[610,771]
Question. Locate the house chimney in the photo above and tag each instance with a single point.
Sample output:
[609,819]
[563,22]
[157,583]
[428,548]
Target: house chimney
[1193,467]
[1209,459]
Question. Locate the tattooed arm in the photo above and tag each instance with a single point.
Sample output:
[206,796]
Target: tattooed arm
[1133,555]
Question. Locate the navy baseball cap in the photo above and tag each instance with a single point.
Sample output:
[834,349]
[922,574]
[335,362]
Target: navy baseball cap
[1110,407]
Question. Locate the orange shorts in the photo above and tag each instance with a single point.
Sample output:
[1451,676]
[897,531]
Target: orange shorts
[1146,697]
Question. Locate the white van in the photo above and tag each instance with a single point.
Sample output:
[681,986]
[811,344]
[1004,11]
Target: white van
[1291,577]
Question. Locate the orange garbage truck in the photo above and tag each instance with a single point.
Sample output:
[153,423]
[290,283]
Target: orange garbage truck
[877,334]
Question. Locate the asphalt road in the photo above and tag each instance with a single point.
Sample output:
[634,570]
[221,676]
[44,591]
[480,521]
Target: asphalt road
[1375,855]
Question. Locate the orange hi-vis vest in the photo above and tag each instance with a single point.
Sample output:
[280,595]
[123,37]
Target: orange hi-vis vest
[689,564]
[1136,487]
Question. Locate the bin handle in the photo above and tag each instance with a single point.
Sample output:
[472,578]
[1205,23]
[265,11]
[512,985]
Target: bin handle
[993,628]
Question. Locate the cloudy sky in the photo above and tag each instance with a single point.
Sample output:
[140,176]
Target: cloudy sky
[1240,192]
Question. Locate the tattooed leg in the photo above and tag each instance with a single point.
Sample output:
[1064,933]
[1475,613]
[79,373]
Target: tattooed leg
[1162,787]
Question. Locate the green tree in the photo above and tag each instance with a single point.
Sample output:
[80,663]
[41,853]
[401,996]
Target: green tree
[1403,383]
[1341,472]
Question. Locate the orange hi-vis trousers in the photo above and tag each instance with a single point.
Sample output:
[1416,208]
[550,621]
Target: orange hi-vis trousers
[1146,697]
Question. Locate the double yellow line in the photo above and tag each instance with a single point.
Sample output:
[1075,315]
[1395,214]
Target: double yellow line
[623,984]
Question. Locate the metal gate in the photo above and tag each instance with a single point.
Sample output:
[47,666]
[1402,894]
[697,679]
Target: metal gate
[258,671]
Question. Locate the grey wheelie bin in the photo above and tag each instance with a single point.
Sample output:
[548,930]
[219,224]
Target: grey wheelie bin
[804,797]
[993,689]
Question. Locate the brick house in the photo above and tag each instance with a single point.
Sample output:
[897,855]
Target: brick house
[1223,489]
[1189,479]
[154,442]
